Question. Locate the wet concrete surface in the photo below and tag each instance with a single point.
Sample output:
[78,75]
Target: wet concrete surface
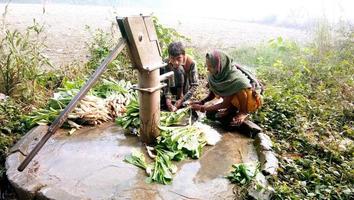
[89,165]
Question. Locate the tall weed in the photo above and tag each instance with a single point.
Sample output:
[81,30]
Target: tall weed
[308,112]
[21,58]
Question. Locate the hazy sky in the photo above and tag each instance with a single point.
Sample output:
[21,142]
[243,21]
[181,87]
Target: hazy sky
[278,10]
[248,9]
[282,10]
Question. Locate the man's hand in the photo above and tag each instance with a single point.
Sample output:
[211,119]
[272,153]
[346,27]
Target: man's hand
[179,103]
[170,107]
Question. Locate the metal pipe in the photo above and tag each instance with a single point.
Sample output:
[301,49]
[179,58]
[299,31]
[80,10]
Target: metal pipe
[146,56]
[58,122]
[166,76]
[152,68]
[149,111]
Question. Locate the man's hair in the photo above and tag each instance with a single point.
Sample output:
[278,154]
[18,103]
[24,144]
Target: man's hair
[176,49]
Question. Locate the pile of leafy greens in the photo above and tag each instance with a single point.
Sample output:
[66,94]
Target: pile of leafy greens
[242,174]
[104,89]
[130,120]
[174,144]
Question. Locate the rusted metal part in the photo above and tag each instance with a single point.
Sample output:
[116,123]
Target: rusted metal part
[146,55]
[58,122]
[149,111]
[150,89]
[157,66]
[166,76]
[142,41]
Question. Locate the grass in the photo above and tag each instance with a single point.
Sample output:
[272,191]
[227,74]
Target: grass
[21,58]
[308,112]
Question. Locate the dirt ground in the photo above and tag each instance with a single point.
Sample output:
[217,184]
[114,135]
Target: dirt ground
[67,36]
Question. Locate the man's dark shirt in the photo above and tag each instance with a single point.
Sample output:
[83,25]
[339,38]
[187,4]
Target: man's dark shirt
[185,80]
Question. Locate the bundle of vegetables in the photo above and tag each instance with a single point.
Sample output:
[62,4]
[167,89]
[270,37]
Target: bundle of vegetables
[117,95]
[186,141]
[137,159]
[173,118]
[131,120]
[93,108]
[107,87]
[159,171]
[162,169]
[46,115]
[90,110]
[174,143]
[116,103]
[242,173]
[131,116]
[41,117]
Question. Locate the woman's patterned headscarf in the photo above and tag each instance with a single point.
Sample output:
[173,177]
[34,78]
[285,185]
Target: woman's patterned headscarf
[227,79]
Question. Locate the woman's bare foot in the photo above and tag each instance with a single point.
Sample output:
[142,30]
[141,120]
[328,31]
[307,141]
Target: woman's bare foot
[226,112]
[239,119]
[222,113]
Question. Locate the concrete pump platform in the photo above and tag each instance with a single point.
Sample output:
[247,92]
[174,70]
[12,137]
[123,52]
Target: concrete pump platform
[89,165]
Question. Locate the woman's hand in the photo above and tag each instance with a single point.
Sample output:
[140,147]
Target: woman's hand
[198,107]
[197,102]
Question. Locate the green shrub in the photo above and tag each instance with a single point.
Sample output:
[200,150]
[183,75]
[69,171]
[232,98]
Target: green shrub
[101,45]
[308,113]
[21,59]
[10,126]
[10,117]
[166,36]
